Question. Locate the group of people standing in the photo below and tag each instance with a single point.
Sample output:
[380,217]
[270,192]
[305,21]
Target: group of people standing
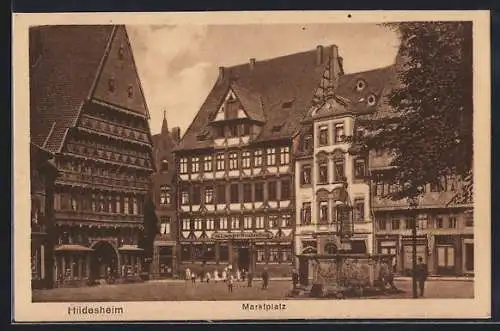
[227,275]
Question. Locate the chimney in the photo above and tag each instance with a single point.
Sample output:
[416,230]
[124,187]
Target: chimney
[176,134]
[252,63]
[335,67]
[221,73]
[319,55]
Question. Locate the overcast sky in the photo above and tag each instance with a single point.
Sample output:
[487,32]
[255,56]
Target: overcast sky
[178,65]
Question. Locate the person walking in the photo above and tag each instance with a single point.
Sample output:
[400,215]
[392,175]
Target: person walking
[216,276]
[265,279]
[230,280]
[386,275]
[295,278]
[421,274]
[224,275]
[238,275]
[249,279]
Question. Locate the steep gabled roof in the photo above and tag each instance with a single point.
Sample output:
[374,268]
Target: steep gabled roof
[285,86]
[250,101]
[62,78]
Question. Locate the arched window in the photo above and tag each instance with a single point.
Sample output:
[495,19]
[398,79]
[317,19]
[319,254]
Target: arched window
[165,195]
[330,248]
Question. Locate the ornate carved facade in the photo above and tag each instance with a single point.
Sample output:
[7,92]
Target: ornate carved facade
[89,110]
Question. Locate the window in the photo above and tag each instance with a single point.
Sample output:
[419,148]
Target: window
[305,175]
[111,85]
[452,222]
[195,165]
[307,143]
[235,222]
[306,213]
[223,223]
[130,91]
[209,195]
[438,222]
[382,225]
[360,85]
[220,164]
[410,223]
[259,222]
[165,195]
[233,131]
[245,129]
[371,100]
[257,158]
[198,224]
[259,192]
[286,190]
[286,220]
[379,188]
[247,192]
[207,163]
[165,225]
[184,197]
[234,193]
[359,210]
[210,224]
[196,194]
[323,135]
[359,168]
[233,161]
[186,253]
[74,203]
[273,255]
[323,172]
[261,255]
[339,132]
[273,221]
[284,155]
[286,255]
[121,52]
[221,194]
[219,132]
[446,256]
[245,160]
[118,205]
[247,222]
[224,253]
[271,191]
[184,165]
[271,156]
[422,223]
[338,166]
[323,212]
[126,205]
[186,224]
[135,206]
[395,224]
[164,165]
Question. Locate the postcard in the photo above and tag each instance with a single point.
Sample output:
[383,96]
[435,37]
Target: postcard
[251,165]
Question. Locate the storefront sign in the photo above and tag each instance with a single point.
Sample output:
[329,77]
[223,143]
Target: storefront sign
[242,235]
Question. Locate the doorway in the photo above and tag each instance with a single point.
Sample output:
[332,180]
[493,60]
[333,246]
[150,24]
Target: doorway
[244,258]
[469,258]
[104,261]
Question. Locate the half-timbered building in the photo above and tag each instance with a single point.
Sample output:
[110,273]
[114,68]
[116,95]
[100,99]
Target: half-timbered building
[88,109]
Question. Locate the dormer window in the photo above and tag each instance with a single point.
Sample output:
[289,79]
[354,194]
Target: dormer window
[111,85]
[130,91]
[372,100]
[360,85]
[121,52]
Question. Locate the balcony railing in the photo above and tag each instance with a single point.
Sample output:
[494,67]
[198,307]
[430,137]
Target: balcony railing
[114,129]
[100,180]
[96,216]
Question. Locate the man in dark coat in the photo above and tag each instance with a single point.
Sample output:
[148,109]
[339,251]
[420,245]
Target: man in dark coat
[421,274]
[265,279]
[295,278]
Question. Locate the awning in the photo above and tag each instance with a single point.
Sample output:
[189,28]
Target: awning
[72,248]
[130,248]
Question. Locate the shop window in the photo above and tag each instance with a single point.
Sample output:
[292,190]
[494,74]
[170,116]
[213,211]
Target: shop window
[305,175]
[257,158]
[284,155]
[247,192]
[234,193]
[273,255]
[221,194]
[165,195]
[223,253]
[286,255]
[261,255]
[197,252]
[271,156]
[446,256]
[209,252]
[259,192]
[271,191]
[323,135]
[185,253]
[306,213]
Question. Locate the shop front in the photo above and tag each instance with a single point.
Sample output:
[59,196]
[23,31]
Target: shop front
[164,259]
[407,252]
[468,255]
[72,265]
[388,245]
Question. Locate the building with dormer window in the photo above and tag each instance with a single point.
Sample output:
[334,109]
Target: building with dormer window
[236,164]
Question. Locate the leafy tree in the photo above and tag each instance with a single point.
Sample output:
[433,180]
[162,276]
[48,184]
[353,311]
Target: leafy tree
[430,111]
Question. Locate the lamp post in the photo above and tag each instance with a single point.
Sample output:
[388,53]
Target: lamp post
[413,204]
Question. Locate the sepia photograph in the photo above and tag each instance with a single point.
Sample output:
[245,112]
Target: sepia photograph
[253,164]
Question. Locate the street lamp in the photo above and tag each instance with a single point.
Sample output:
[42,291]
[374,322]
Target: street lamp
[413,201]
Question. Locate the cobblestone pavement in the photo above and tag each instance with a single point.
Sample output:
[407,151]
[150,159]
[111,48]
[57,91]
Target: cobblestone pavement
[181,291]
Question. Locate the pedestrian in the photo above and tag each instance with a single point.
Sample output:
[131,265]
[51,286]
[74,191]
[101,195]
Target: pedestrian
[224,275]
[230,281]
[243,274]
[295,278]
[249,279]
[386,275]
[420,274]
[187,273]
[238,275]
[216,275]
[265,279]
[193,277]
